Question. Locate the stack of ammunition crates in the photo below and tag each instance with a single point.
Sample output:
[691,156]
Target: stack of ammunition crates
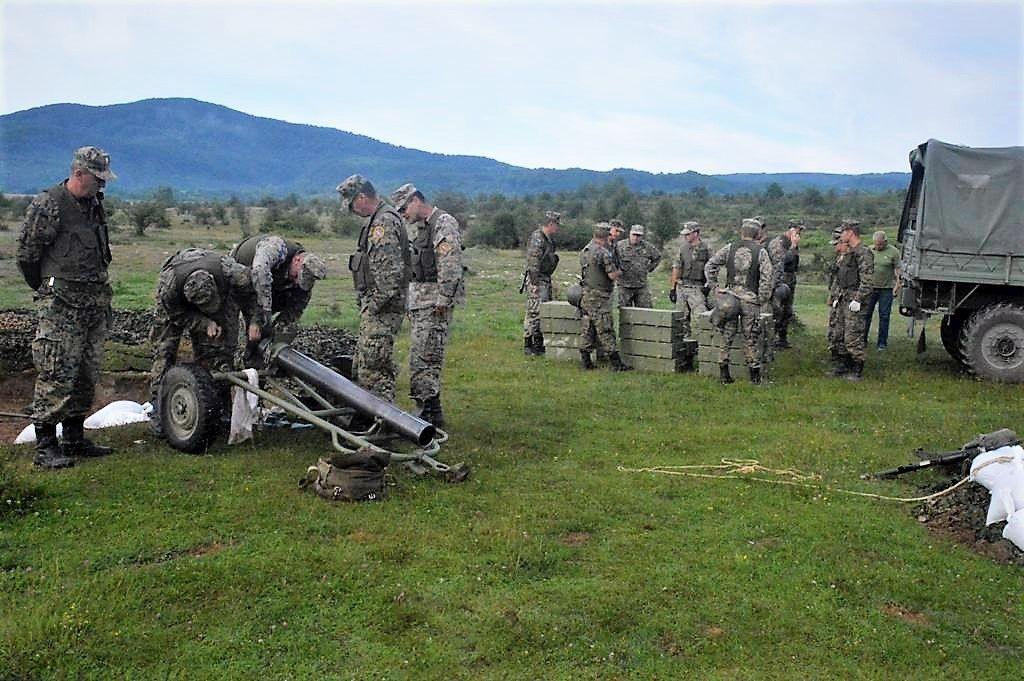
[710,341]
[560,324]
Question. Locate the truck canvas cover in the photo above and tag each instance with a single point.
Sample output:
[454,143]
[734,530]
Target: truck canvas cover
[972,200]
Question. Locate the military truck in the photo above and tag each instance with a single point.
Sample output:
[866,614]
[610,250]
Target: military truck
[962,231]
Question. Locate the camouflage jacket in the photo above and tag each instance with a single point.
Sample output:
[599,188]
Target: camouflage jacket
[636,262]
[387,249]
[778,247]
[854,274]
[743,262]
[541,259]
[596,263]
[442,231]
[172,306]
[288,299]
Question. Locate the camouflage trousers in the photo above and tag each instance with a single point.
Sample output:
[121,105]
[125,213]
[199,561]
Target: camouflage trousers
[426,354]
[535,295]
[691,301]
[634,296]
[749,324]
[68,353]
[846,329]
[375,367]
[211,353]
[784,313]
[596,329]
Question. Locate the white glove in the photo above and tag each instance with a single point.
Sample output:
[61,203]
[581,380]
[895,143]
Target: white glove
[835,303]
[854,306]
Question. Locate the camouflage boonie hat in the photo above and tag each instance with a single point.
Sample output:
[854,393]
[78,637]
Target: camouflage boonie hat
[616,223]
[94,161]
[352,186]
[601,230]
[313,269]
[689,228]
[552,216]
[201,290]
[637,229]
[401,196]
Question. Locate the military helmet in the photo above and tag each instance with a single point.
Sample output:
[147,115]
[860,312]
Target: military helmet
[727,309]
[574,294]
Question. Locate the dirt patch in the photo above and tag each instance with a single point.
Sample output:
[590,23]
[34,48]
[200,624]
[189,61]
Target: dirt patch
[907,615]
[960,517]
[713,632]
[668,643]
[576,538]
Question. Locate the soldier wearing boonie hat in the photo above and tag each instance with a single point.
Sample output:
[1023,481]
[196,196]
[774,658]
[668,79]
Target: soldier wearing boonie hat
[63,255]
[636,258]
[436,287]
[198,293]
[381,268]
[541,261]
[283,274]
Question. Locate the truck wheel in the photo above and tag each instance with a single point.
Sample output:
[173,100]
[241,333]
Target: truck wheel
[992,343]
[190,407]
[949,331]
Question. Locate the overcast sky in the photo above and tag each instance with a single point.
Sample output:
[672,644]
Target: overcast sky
[716,88]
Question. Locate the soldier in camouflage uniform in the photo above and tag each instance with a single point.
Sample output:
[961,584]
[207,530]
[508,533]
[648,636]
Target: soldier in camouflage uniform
[63,254]
[541,261]
[784,251]
[436,286]
[852,285]
[283,274]
[198,293]
[687,286]
[637,258]
[381,268]
[598,274]
[749,276]
[833,291]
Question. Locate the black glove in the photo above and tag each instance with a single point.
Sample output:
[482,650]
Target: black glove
[672,294]
[706,288]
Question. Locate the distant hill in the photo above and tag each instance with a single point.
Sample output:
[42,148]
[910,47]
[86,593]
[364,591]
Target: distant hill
[205,149]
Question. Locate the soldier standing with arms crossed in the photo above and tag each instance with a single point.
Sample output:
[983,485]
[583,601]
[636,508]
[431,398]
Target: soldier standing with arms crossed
[381,268]
[541,261]
[63,254]
[598,274]
[435,288]
[687,287]
[637,258]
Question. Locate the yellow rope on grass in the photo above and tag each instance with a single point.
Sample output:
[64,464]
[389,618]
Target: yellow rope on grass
[746,469]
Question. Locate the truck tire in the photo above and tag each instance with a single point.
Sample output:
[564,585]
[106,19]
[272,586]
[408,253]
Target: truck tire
[190,407]
[949,331]
[992,343]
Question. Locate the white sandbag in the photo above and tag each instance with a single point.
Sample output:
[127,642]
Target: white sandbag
[28,435]
[119,413]
[244,409]
[1003,478]
[1014,530]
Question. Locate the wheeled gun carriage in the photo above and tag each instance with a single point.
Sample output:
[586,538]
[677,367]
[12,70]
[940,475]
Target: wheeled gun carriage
[192,400]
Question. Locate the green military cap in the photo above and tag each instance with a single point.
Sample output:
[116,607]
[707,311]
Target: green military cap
[852,225]
[95,161]
[796,224]
[313,269]
[552,216]
[403,195]
[601,230]
[352,186]
[616,223]
[201,290]
[751,222]
[689,228]
[637,229]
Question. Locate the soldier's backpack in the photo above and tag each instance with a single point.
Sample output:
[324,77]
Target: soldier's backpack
[357,476]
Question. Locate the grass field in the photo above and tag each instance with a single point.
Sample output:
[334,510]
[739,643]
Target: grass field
[549,563]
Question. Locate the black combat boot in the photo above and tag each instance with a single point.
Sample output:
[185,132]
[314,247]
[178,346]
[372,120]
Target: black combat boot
[781,343]
[840,364]
[856,371]
[48,452]
[755,375]
[617,364]
[585,360]
[75,442]
[432,412]
[528,346]
[538,343]
[723,373]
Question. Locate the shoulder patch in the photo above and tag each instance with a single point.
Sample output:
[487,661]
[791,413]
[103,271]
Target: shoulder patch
[377,234]
[444,248]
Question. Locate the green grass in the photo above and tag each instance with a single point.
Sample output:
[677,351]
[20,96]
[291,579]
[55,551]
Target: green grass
[549,562]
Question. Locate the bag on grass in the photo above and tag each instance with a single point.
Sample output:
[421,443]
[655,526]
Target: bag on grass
[356,476]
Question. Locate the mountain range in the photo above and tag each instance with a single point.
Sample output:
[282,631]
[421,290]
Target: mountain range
[204,149]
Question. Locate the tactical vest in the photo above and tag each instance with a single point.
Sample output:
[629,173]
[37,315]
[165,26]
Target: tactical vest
[753,272]
[81,251]
[424,261]
[245,252]
[359,262]
[694,260]
[208,262]
[548,259]
[848,271]
[594,276]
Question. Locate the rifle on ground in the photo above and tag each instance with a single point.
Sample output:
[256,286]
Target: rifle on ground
[983,443]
